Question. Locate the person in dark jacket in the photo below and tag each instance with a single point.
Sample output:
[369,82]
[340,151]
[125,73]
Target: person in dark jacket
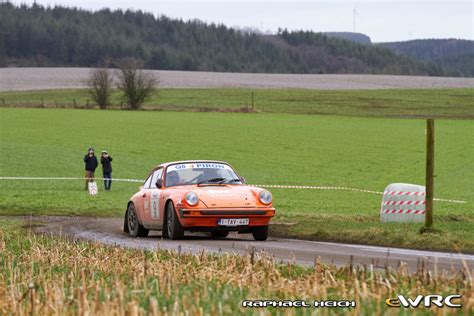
[90,161]
[106,162]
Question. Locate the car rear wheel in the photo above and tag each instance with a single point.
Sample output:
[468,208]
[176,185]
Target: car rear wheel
[219,234]
[260,233]
[135,229]
[173,227]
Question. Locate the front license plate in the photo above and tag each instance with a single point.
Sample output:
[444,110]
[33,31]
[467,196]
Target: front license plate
[232,221]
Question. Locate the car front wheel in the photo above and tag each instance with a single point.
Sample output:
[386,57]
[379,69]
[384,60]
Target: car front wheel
[173,227]
[135,229]
[260,233]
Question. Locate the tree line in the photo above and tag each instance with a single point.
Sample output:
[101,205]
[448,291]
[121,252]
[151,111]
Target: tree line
[456,56]
[58,36]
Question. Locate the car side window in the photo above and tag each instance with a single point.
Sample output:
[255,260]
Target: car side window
[156,175]
[147,182]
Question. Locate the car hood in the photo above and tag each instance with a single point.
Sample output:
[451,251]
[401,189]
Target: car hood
[226,196]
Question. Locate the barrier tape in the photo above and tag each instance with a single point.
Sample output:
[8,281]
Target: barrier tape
[404,202]
[350,189]
[421,212]
[68,178]
[308,187]
[314,188]
[403,193]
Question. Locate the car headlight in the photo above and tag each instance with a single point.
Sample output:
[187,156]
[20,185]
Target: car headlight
[265,197]
[191,198]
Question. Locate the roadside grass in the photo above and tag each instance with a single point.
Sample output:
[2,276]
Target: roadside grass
[364,153]
[448,103]
[50,275]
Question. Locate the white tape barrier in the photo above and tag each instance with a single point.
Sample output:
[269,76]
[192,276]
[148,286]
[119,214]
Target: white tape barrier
[340,188]
[307,187]
[68,178]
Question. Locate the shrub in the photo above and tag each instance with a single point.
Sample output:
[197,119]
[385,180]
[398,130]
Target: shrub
[136,84]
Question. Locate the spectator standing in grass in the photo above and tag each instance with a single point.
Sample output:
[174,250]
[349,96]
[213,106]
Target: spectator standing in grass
[90,161]
[106,162]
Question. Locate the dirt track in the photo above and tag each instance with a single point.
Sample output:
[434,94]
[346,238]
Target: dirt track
[109,231]
[54,78]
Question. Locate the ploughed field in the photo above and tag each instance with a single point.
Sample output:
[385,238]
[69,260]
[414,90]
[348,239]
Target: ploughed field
[54,78]
[265,148]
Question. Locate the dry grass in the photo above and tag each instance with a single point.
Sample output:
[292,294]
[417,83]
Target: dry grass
[54,276]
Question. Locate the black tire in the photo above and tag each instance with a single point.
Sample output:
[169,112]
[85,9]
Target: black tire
[125,222]
[260,233]
[164,228]
[173,227]
[219,234]
[135,229]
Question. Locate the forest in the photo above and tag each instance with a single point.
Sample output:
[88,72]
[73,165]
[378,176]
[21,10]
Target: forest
[58,36]
[456,56]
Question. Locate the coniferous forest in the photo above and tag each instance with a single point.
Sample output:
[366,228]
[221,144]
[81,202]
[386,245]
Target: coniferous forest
[59,36]
[456,56]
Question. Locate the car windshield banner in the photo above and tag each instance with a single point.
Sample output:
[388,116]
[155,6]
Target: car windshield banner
[199,165]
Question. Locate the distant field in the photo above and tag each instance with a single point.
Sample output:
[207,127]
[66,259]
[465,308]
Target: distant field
[449,103]
[61,78]
[266,148]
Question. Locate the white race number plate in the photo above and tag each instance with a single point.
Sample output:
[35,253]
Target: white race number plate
[232,221]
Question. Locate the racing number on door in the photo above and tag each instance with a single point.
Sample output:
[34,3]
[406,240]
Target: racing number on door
[155,210]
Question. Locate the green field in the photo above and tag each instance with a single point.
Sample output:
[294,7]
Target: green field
[447,103]
[365,153]
[42,275]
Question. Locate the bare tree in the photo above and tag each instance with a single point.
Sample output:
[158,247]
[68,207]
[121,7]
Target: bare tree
[136,85]
[100,85]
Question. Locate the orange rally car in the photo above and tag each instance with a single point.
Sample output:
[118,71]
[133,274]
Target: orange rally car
[198,196]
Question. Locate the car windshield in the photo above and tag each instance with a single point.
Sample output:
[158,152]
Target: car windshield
[200,173]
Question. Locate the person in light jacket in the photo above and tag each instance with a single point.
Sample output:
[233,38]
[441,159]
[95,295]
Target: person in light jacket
[90,161]
[106,162]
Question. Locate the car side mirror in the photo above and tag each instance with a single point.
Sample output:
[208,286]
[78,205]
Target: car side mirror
[159,183]
[242,179]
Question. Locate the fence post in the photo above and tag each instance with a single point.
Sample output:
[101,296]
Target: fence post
[253,108]
[430,130]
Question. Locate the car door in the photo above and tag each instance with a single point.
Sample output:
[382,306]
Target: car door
[142,201]
[152,201]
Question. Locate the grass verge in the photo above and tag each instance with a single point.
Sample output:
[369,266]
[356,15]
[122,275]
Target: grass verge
[447,103]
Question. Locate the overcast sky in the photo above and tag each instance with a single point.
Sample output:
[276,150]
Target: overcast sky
[382,20]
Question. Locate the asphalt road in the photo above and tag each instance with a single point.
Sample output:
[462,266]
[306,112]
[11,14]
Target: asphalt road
[109,231]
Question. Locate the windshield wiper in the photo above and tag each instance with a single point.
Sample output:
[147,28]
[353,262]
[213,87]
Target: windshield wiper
[212,180]
[232,180]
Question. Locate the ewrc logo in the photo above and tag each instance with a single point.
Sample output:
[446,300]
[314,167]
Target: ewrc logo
[428,301]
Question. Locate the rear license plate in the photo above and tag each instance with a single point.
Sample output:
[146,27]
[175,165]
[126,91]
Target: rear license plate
[232,221]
